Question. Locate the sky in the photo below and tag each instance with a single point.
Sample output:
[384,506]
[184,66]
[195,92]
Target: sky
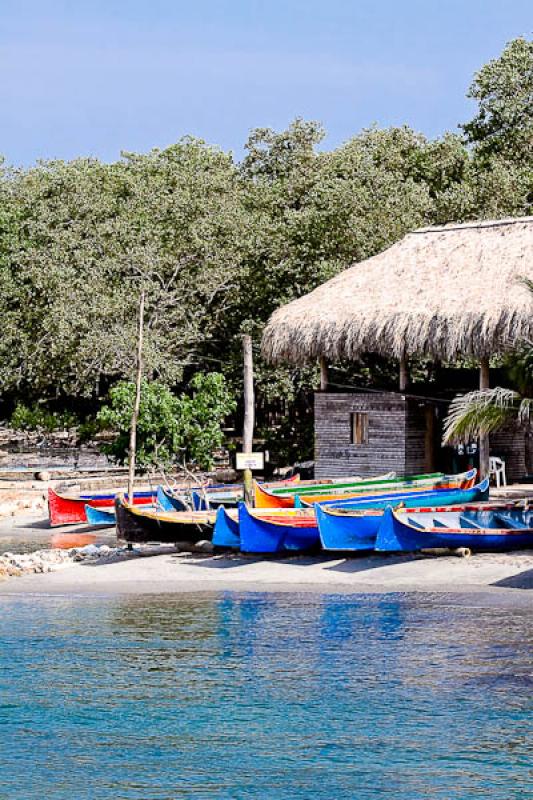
[95,77]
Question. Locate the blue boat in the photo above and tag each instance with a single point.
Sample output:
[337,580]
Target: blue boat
[349,525]
[505,529]
[100,516]
[226,532]
[168,501]
[277,530]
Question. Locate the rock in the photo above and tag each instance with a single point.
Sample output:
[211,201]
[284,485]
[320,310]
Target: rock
[42,476]
[88,550]
[204,546]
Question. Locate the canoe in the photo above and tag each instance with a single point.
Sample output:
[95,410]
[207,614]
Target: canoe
[353,526]
[364,489]
[277,530]
[66,509]
[341,484]
[167,500]
[226,532]
[100,516]
[507,529]
[136,524]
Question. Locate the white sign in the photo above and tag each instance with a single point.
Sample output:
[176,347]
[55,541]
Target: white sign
[250,461]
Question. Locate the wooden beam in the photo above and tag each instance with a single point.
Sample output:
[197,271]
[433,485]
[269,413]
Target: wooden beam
[137,403]
[249,413]
[484,383]
[324,378]
[404,374]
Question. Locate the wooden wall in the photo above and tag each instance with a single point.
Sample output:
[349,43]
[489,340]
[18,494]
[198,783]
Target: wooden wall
[336,456]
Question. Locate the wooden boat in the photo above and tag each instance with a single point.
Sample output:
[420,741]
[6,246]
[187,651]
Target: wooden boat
[67,509]
[346,483]
[362,489]
[492,529]
[168,500]
[277,530]
[104,517]
[136,524]
[353,526]
[226,532]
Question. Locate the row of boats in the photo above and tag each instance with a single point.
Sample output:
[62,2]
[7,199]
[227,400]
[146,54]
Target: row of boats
[386,514]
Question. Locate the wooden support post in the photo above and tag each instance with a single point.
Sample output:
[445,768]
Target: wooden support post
[404,374]
[484,383]
[137,403]
[323,374]
[249,409]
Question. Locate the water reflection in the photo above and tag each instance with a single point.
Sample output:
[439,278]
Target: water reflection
[263,696]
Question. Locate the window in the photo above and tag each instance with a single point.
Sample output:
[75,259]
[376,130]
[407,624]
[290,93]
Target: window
[359,428]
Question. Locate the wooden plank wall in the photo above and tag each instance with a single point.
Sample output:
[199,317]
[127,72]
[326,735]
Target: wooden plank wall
[335,456]
[510,444]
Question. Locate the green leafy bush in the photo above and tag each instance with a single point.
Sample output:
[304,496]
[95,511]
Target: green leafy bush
[25,418]
[170,429]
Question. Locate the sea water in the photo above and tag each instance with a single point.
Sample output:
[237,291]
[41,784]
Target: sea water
[270,696]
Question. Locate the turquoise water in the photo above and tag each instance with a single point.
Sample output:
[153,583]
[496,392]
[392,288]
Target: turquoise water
[264,696]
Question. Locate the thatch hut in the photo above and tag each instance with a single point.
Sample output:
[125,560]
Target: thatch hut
[440,292]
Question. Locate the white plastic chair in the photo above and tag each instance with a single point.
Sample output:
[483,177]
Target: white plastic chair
[497,470]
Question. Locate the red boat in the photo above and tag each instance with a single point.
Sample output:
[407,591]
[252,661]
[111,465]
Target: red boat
[65,509]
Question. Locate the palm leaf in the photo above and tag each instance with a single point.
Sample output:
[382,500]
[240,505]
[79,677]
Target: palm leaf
[481,412]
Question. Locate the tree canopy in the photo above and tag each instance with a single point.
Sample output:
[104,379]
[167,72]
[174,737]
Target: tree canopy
[218,244]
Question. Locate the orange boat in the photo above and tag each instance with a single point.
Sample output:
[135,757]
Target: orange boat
[267,499]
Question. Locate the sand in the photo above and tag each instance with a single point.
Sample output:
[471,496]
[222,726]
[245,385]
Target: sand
[164,570]
[170,572]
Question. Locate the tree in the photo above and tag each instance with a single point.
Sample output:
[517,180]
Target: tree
[170,430]
[503,125]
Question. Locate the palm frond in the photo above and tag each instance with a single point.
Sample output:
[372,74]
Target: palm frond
[481,412]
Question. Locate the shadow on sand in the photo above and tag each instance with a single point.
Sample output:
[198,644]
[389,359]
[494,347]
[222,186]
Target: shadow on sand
[524,580]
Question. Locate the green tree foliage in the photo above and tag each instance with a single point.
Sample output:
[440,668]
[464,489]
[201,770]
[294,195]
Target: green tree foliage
[170,430]
[503,89]
[220,245]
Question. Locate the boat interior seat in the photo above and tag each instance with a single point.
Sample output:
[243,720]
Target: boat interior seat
[510,522]
[469,523]
[415,523]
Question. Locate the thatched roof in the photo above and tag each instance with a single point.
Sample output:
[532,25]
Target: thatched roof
[440,292]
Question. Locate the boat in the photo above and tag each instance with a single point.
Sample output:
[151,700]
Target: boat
[168,500]
[364,489]
[353,526]
[277,530]
[226,532]
[100,516]
[69,509]
[137,524]
[479,529]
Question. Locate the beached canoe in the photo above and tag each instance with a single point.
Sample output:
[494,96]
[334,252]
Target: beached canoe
[100,516]
[69,509]
[347,482]
[353,525]
[502,529]
[226,532]
[137,524]
[277,530]
[462,480]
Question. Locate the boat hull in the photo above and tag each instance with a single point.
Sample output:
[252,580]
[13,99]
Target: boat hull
[341,530]
[65,510]
[401,535]
[100,516]
[226,532]
[284,533]
[142,526]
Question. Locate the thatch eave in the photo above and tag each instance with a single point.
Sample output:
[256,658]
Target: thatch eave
[440,292]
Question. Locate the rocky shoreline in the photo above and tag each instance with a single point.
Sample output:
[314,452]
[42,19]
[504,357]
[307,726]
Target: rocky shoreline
[18,564]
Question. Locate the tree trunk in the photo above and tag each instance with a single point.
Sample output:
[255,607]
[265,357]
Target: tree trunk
[323,374]
[248,429]
[484,383]
[404,374]
[137,403]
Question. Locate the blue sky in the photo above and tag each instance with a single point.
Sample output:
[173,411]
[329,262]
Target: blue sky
[94,77]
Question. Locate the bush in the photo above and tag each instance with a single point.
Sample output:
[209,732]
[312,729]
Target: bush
[38,418]
[170,429]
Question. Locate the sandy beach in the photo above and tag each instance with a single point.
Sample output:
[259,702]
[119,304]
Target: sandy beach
[171,572]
